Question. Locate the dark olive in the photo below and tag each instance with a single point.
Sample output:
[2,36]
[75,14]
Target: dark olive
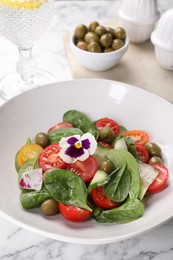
[82,45]
[153,149]
[91,37]
[94,47]
[117,44]
[107,166]
[106,134]
[155,160]
[100,30]
[80,31]
[49,207]
[93,25]
[42,139]
[106,40]
[119,33]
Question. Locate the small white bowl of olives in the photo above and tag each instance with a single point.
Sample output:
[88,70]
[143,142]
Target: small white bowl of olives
[97,47]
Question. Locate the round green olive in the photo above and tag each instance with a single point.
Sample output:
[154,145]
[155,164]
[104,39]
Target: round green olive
[108,49]
[91,37]
[100,30]
[155,160]
[117,44]
[93,26]
[49,207]
[82,45]
[110,30]
[80,31]
[106,134]
[106,40]
[119,33]
[153,149]
[42,139]
[94,47]
[107,167]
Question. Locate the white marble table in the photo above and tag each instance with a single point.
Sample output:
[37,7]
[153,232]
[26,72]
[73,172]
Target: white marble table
[19,244]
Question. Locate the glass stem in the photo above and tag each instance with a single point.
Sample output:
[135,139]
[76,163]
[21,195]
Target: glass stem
[26,66]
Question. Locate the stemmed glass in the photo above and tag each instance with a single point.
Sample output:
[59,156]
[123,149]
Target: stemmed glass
[23,22]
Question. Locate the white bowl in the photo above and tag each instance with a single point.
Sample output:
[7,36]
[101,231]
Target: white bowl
[38,109]
[98,61]
[162,39]
[138,17]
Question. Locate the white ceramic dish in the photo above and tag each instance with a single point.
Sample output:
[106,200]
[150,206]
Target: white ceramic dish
[40,108]
[99,61]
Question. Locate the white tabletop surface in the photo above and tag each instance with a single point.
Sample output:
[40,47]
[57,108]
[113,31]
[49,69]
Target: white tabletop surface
[18,243]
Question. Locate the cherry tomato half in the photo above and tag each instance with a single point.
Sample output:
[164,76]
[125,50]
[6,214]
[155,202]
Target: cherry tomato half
[138,136]
[85,169]
[142,152]
[49,158]
[161,180]
[110,123]
[61,125]
[105,144]
[101,199]
[27,152]
[74,213]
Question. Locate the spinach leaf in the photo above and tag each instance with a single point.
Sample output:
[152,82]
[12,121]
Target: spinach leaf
[80,120]
[56,135]
[118,157]
[32,199]
[129,211]
[118,186]
[66,187]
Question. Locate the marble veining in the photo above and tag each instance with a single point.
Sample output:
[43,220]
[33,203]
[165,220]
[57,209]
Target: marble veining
[19,244]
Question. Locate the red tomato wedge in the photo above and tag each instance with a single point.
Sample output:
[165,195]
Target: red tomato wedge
[85,169]
[138,136]
[49,158]
[73,213]
[142,152]
[61,125]
[110,123]
[161,180]
[101,199]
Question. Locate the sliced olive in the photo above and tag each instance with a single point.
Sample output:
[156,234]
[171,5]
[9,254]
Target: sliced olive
[80,31]
[155,160]
[106,134]
[107,167]
[91,37]
[93,26]
[94,47]
[117,44]
[82,45]
[42,139]
[153,149]
[106,40]
[49,207]
[100,30]
[120,33]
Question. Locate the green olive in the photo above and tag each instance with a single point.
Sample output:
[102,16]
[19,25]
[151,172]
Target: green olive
[155,160]
[49,207]
[91,37]
[117,44]
[93,26]
[106,134]
[80,31]
[107,167]
[120,33]
[106,40]
[110,30]
[153,149]
[42,139]
[100,30]
[82,45]
[108,49]
[94,47]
